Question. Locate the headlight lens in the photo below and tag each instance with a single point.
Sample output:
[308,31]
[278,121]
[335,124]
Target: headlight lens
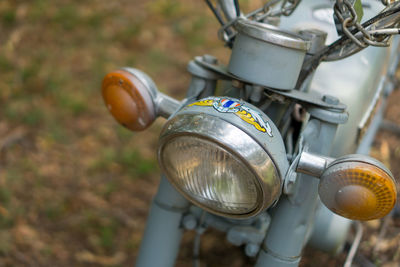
[211,175]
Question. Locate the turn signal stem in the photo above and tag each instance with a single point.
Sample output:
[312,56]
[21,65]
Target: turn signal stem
[166,105]
[312,164]
[357,187]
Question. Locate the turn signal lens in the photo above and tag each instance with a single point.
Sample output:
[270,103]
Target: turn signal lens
[358,190]
[128,98]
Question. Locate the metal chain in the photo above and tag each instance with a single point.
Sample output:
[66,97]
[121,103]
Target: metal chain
[288,6]
[260,14]
[343,9]
[347,15]
[388,2]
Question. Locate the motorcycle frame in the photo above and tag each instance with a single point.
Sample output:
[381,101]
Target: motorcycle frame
[292,217]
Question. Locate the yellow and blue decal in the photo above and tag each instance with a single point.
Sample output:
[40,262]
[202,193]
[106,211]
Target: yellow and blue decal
[228,105]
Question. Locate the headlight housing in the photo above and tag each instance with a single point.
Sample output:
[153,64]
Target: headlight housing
[225,156]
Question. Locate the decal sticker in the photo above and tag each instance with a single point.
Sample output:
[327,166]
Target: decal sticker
[205,102]
[227,105]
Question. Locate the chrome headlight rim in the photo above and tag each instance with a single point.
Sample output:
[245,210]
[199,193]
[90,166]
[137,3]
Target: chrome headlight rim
[260,189]
[219,131]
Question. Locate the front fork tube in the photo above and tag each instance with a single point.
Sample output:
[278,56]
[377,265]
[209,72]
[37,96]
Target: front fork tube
[162,236]
[293,216]
[161,239]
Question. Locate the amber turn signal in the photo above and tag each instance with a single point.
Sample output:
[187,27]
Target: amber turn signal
[128,98]
[358,190]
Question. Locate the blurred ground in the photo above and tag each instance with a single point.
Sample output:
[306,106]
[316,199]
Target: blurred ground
[75,187]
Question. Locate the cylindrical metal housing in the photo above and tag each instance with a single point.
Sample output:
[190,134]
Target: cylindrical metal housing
[261,52]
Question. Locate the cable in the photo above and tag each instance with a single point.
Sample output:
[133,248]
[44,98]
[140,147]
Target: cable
[220,20]
[354,246]
[237,7]
[197,240]
[216,13]
[313,63]
[364,25]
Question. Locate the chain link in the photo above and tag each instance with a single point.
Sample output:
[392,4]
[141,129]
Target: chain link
[343,9]
[261,14]
[347,16]
[388,2]
[288,6]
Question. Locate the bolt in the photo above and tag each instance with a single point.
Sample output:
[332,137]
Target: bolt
[251,250]
[237,84]
[289,188]
[189,222]
[210,59]
[256,94]
[330,100]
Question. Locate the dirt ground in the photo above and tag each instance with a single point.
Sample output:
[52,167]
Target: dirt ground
[75,186]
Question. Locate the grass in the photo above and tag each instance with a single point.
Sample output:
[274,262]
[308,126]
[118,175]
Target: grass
[167,9]
[54,211]
[73,103]
[129,160]
[8,17]
[5,64]
[107,235]
[5,242]
[5,196]
[68,17]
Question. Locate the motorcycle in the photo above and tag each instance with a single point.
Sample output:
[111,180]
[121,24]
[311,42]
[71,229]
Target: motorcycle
[271,149]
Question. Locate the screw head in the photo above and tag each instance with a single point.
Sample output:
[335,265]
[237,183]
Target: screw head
[251,250]
[189,222]
[237,84]
[210,59]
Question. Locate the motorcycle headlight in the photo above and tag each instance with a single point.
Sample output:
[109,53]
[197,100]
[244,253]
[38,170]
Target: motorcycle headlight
[225,156]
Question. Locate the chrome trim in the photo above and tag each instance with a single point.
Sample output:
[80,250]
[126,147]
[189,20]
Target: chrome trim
[312,164]
[316,165]
[371,109]
[164,105]
[353,158]
[237,142]
[272,34]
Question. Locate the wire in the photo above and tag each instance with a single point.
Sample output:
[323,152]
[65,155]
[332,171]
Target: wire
[313,62]
[197,240]
[216,13]
[196,250]
[364,25]
[354,246]
[220,20]
[318,57]
[237,7]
